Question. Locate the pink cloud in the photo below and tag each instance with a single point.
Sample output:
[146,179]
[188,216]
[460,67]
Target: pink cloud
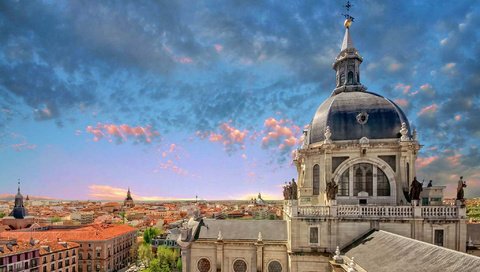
[281,133]
[23,146]
[404,88]
[431,109]
[215,137]
[184,60]
[426,87]
[458,117]
[122,132]
[454,160]
[107,192]
[401,102]
[218,48]
[171,166]
[425,161]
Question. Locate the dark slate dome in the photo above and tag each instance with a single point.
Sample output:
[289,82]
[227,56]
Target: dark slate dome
[356,114]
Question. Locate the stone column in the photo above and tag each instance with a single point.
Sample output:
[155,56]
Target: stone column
[219,258]
[186,259]
[259,245]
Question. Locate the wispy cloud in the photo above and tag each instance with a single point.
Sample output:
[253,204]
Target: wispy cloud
[122,133]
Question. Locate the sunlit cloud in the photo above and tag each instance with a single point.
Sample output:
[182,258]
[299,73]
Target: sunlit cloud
[423,162]
[107,192]
[231,137]
[281,133]
[401,102]
[122,133]
[431,109]
[404,88]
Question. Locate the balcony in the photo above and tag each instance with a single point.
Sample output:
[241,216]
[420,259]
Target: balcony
[375,211]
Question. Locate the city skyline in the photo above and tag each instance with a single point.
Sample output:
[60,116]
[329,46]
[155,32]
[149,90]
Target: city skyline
[177,100]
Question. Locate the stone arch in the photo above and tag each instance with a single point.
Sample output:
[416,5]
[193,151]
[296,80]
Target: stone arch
[375,161]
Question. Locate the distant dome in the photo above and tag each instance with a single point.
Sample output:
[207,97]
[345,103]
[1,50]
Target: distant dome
[357,114]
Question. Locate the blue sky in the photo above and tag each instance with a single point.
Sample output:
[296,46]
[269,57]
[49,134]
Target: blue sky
[179,98]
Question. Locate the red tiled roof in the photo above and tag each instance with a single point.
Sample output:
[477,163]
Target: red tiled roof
[87,233]
[19,247]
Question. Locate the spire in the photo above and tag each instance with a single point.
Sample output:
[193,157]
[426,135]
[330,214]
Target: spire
[347,63]
[347,39]
[18,190]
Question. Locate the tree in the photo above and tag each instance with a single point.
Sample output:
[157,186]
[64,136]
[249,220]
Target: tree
[179,264]
[149,234]
[145,254]
[2,215]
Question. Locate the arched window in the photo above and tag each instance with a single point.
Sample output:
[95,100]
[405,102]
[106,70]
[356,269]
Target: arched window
[203,265]
[316,179]
[239,266]
[350,78]
[358,78]
[343,183]
[274,266]
[383,185]
[363,178]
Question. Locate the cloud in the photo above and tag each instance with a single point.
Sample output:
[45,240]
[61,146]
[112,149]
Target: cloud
[431,109]
[423,162]
[231,137]
[401,102]
[122,133]
[107,192]
[169,165]
[404,88]
[282,135]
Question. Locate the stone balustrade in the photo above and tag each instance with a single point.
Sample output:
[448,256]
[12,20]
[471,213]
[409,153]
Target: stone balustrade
[373,211]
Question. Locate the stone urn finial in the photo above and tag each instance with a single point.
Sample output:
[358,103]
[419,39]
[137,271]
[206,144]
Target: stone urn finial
[328,134]
[414,135]
[352,265]
[260,238]
[220,236]
[404,132]
[337,257]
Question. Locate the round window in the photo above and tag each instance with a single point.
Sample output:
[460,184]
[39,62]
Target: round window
[239,266]
[274,266]
[203,265]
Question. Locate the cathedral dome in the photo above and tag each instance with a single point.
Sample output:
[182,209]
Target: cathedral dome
[352,115]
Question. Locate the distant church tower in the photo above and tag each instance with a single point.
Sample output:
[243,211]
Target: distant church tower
[19,211]
[18,217]
[128,202]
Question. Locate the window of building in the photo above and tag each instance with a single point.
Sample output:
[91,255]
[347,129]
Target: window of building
[52,267]
[344,183]
[438,237]
[350,78]
[363,178]
[44,268]
[239,266]
[53,258]
[316,179]
[314,235]
[274,266]
[203,265]
[383,185]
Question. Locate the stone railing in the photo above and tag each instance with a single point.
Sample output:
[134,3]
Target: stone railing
[439,211]
[314,211]
[374,211]
[361,211]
